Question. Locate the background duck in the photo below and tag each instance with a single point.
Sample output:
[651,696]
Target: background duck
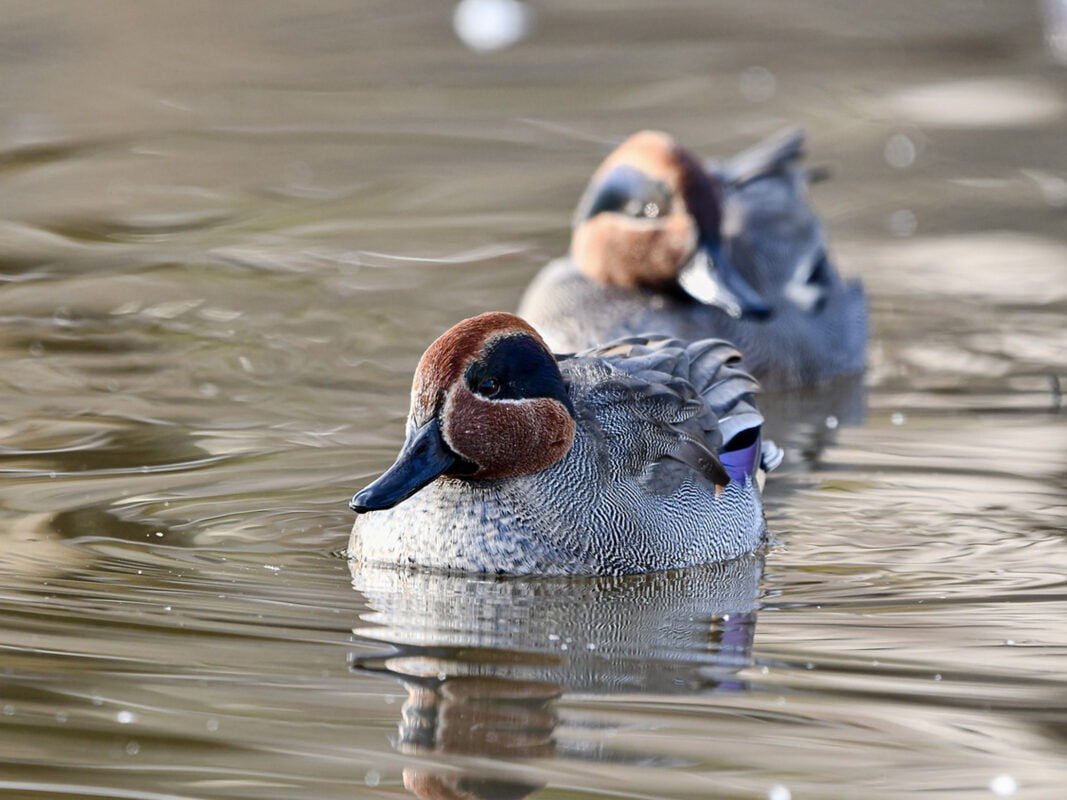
[664,243]
[640,455]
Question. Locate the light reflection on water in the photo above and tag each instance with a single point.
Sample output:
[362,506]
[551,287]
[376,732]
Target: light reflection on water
[225,239]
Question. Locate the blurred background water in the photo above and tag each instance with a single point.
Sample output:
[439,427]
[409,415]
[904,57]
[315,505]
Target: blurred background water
[228,231]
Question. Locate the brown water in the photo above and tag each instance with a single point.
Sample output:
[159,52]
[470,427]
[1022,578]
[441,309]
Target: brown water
[227,231]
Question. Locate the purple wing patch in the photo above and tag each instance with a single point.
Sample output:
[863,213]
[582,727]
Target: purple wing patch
[741,455]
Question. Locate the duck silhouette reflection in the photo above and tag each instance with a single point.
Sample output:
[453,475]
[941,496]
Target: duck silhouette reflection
[486,662]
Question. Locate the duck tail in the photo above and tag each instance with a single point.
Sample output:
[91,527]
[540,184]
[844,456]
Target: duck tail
[773,154]
[771,456]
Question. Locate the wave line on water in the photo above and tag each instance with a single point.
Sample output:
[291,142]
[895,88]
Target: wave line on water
[484,253]
[92,791]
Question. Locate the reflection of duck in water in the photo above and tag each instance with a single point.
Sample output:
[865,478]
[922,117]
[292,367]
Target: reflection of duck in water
[643,454]
[485,661]
[663,244]
[478,717]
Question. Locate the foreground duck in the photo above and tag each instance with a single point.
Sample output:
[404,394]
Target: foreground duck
[663,243]
[640,455]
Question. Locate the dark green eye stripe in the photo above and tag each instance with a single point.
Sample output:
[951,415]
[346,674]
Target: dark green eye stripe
[627,190]
[517,368]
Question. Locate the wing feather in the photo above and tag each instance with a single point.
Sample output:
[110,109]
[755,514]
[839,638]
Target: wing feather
[666,407]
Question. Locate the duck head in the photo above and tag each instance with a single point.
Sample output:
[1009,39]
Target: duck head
[488,401]
[651,218]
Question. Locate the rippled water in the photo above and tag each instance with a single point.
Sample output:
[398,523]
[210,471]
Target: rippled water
[227,231]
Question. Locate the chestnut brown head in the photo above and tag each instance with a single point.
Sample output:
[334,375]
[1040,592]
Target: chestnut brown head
[650,218]
[487,401]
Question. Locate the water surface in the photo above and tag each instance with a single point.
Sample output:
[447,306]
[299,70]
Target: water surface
[227,232]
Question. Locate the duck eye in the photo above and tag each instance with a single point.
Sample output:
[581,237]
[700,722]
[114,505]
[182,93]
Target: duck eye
[635,207]
[490,387]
